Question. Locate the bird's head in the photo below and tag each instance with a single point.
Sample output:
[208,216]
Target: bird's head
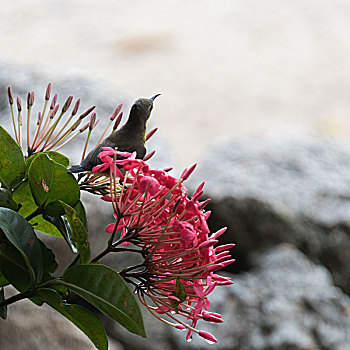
[141,109]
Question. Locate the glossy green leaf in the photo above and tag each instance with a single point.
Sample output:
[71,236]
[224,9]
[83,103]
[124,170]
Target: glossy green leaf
[84,319]
[22,195]
[49,262]
[3,309]
[79,234]
[80,211]
[12,265]
[50,182]
[55,156]
[18,231]
[6,200]
[105,289]
[41,178]
[61,223]
[65,188]
[12,166]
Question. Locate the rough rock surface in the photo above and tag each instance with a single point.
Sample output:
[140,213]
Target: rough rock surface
[272,190]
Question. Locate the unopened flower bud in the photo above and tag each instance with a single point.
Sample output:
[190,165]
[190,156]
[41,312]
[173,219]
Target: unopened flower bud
[19,104]
[186,173]
[53,103]
[76,107]
[151,133]
[117,122]
[67,104]
[87,112]
[149,156]
[52,115]
[84,127]
[116,112]
[48,92]
[10,95]
[92,120]
[28,100]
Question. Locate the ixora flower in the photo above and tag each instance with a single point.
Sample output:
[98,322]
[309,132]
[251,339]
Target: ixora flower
[154,212]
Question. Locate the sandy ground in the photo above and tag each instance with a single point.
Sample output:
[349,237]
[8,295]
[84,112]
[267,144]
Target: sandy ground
[231,68]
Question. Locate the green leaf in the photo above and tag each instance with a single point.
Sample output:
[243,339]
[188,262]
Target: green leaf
[80,211]
[49,262]
[12,166]
[22,195]
[41,177]
[105,289]
[55,156]
[79,234]
[12,265]
[84,319]
[6,200]
[60,222]
[3,280]
[18,231]
[3,309]
[50,182]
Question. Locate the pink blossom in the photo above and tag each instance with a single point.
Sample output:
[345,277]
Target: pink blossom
[153,211]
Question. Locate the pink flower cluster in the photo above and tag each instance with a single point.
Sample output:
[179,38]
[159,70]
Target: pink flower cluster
[154,212]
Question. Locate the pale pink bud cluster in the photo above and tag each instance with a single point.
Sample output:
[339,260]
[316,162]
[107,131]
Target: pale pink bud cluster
[154,212]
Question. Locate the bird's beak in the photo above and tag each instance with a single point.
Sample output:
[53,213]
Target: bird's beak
[154,97]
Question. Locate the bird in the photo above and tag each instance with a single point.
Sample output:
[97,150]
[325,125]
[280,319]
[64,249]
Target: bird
[130,138]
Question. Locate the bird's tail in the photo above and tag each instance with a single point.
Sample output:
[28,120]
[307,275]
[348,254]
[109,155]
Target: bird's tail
[76,169]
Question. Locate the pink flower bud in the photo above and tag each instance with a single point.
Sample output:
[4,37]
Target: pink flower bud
[87,112]
[48,92]
[76,107]
[150,183]
[180,326]
[206,244]
[83,128]
[149,156]
[116,112]
[186,173]
[218,233]
[10,95]
[207,336]
[19,104]
[151,133]
[55,109]
[173,298]
[211,318]
[117,122]
[67,104]
[224,247]
[53,102]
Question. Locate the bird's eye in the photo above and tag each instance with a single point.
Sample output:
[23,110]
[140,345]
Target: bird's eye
[150,108]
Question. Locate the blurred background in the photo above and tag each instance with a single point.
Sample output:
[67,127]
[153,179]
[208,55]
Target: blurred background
[256,92]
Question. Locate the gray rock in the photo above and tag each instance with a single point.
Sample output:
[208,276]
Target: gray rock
[268,191]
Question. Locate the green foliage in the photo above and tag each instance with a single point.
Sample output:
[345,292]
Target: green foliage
[12,167]
[26,242]
[84,319]
[22,195]
[79,234]
[40,193]
[106,290]
[51,182]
